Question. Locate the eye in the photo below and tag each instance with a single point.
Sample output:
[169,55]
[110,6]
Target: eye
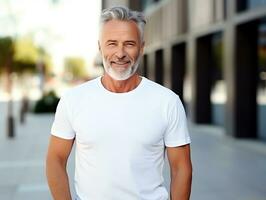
[111,44]
[130,44]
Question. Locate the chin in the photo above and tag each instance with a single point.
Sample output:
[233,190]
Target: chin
[120,75]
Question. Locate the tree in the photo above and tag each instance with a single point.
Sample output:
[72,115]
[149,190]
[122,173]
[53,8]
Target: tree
[25,56]
[6,58]
[75,66]
[6,50]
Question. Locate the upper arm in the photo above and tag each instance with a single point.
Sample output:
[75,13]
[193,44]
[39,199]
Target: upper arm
[179,158]
[59,149]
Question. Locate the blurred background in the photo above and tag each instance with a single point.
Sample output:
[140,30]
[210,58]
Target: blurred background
[212,53]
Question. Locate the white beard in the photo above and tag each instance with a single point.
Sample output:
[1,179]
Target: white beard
[121,75]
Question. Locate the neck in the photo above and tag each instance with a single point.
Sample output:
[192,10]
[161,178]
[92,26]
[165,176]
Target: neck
[120,86]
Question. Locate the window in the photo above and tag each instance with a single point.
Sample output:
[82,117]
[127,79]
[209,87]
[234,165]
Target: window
[243,5]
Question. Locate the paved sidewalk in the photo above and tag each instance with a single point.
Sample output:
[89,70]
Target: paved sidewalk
[22,161]
[224,168]
[227,168]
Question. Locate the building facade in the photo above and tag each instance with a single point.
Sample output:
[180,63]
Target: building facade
[212,53]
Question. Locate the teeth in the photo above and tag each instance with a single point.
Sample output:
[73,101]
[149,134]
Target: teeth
[121,63]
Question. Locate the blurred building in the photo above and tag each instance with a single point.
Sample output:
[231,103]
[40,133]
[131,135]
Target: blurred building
[212,53]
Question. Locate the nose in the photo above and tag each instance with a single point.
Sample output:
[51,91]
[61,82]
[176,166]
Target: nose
[120,53]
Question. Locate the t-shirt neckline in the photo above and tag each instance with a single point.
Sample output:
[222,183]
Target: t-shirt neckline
[140,85]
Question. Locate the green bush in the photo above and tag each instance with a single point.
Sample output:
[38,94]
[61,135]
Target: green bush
[47,104]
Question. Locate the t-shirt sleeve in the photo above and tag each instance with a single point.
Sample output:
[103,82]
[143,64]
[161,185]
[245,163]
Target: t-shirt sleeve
[176,132]
[62,123]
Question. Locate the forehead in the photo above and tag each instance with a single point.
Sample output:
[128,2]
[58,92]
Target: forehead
[118,29]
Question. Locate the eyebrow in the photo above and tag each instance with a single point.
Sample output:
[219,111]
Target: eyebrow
[130,41]
[108,41]
[115,41]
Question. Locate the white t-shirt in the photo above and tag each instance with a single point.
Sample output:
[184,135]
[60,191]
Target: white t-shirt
[121,138]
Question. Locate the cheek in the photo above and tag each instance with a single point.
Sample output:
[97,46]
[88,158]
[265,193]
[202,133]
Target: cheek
[134,54]
[110,52]
[107,55]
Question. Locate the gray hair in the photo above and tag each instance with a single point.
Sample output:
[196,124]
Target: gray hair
[124,14]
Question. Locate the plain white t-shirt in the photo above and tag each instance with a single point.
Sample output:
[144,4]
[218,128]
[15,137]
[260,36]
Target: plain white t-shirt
[121,138]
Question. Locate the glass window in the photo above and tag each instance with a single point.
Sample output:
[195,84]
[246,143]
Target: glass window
[218,85]
[255,3]
[261,90]
[146,3]
[243,5]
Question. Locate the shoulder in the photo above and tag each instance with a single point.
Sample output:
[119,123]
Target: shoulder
[80,91]
[160,92]
[165,99]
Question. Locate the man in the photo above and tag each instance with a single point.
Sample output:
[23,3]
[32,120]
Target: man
[121,124]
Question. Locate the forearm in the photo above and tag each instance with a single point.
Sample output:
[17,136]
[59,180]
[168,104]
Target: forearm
[58,180]
[181,184]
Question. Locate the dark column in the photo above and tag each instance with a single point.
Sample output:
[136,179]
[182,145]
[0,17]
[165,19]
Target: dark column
[203,80]
[159,73]
[145,65]
[135,5]
[178,69]
[241,5]
[246,80]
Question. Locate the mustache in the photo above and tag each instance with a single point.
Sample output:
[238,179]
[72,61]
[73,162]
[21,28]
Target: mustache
[121,60]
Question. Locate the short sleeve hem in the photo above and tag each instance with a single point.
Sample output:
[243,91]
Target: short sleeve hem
[63,135]
[178,143]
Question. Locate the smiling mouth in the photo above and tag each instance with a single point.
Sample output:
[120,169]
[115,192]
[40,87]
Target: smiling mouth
[120,63]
